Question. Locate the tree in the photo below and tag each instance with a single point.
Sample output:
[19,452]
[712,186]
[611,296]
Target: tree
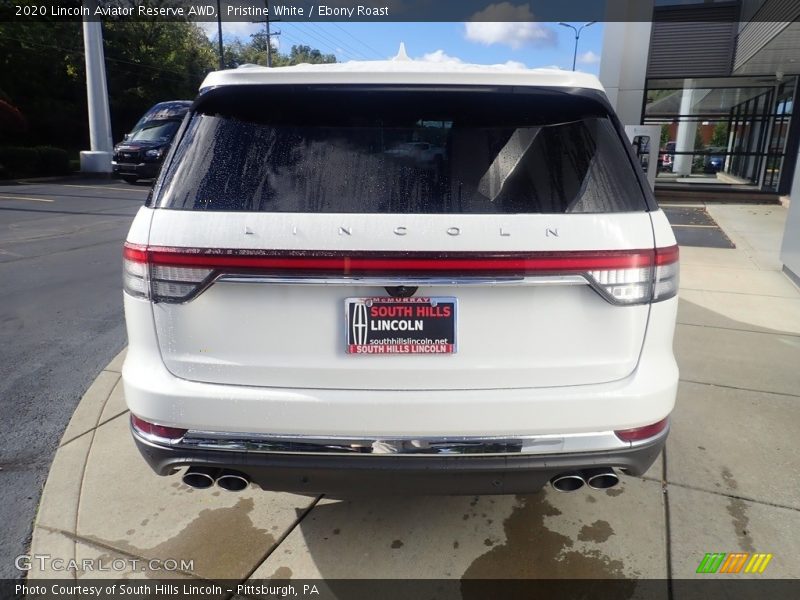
[720,136]
[254,52]
[664,134]
[146,62]
[307,54]
[43,83]
[152,61]
[42,77]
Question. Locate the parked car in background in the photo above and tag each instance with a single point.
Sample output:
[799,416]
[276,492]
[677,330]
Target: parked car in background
[418,153]
[140,154]
[714,160]
[172,109]
[666,157]
[311,307]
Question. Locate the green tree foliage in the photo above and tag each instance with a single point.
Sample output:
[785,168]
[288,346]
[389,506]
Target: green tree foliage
[664,134]
[307,54]
[255,53]
[720,136]
[698,138]
[43,83]
[149,62]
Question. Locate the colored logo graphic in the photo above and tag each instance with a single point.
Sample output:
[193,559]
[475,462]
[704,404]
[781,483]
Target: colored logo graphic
[735,562]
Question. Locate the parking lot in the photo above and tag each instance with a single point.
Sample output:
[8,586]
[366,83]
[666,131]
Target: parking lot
[60,321]
[726,483]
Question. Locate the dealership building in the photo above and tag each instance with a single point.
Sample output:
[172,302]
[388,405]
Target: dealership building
[718,81]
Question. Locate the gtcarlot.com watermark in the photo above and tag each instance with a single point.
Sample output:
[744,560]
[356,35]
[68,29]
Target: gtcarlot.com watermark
[47,562]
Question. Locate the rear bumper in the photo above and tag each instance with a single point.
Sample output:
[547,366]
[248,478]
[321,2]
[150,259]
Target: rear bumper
[352,475]
[158,396]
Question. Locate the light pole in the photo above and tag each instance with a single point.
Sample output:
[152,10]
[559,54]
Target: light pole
[577,37]
[219,37]
[98,158]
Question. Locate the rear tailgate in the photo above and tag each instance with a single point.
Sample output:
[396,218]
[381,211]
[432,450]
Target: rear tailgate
[523,206]
[511,332]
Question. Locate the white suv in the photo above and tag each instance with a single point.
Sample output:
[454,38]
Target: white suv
[312,310]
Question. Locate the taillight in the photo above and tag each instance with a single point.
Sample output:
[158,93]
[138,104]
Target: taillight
[651,278]
[134,271]
[620,276]
[665,279]
[143,278]
[158,433]
[638,434]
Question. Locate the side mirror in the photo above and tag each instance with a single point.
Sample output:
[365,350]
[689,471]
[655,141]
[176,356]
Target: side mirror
[126,137]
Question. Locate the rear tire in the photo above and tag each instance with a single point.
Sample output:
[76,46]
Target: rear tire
[130,178]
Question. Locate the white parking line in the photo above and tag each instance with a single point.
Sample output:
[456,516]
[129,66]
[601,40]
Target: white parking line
[4,197]
[103,187]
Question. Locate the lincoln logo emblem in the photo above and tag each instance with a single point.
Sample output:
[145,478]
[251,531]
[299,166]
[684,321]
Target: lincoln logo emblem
[360,324]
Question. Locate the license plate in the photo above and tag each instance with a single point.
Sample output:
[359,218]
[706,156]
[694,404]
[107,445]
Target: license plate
[386,325]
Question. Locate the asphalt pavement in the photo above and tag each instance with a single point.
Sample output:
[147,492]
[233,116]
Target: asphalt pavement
[60,321]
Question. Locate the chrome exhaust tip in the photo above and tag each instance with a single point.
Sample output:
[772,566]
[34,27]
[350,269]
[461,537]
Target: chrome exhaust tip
[601,479]
[233,481]
[200,478]
[567,482]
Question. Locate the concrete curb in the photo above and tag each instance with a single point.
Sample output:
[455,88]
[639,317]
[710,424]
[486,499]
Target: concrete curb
[58,506]
[101,504]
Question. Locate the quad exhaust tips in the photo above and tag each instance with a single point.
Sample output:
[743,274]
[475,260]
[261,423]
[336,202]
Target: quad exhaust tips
[597,479]
[202,478]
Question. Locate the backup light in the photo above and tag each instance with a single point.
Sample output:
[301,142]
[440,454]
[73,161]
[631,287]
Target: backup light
[656,281]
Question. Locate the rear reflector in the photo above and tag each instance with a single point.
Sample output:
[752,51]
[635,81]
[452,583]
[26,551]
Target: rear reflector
[158,432]
[642,433]
[620,276]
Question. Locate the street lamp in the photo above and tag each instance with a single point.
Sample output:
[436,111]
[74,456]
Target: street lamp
[219,37]
[577,37]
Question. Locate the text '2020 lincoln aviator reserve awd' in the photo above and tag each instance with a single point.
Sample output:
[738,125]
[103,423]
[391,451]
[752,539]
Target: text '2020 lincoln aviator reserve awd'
[400,276]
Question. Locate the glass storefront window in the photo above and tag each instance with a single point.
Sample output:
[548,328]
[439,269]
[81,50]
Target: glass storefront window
[729,131]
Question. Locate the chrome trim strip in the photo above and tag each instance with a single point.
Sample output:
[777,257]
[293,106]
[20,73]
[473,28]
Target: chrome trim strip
[387,281]
[392,281]
[396,445]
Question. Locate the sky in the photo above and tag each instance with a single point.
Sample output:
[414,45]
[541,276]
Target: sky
[533,44]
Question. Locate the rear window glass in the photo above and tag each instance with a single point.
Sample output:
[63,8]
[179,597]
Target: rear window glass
[393,151]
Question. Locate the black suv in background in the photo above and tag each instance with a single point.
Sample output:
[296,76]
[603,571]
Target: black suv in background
[140,154]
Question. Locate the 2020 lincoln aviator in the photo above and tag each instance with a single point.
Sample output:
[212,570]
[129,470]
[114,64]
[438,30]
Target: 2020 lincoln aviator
[400,276]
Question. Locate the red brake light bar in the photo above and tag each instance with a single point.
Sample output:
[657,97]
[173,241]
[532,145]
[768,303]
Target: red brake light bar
[345,263]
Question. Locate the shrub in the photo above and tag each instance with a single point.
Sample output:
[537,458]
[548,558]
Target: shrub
[53,161]
[18,161]
[41,161]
